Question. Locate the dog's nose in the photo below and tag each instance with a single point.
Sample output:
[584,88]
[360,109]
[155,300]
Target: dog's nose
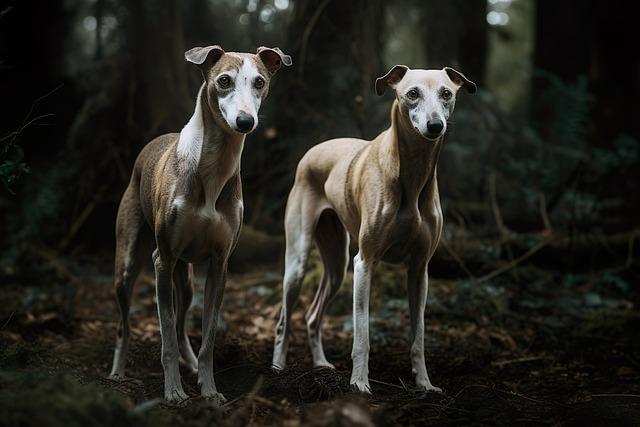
[244,122]
[435,126]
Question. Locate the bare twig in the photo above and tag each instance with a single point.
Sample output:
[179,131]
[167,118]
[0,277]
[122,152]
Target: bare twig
[457,258]
[82,218]
[495,208]
[543,212]
[519,360]
[8,320]
[26,120]
[516,261]
[497,214]
[13,135]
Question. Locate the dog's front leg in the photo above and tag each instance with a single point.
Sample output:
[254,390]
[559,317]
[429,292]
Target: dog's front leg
[418,286]
[213,292]
[362,270]
[173,391]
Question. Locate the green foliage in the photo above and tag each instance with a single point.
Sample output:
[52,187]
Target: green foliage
[12,168]
[10,172]
[557,161]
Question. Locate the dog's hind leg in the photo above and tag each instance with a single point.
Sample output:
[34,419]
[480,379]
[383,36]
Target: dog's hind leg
[183,288]
[131,244]
[299,223]
[333,243]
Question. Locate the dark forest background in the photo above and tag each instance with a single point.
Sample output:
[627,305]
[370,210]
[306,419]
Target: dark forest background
[538,177]
[551,139]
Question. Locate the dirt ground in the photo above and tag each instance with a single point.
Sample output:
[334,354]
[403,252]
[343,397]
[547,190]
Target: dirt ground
[505,354]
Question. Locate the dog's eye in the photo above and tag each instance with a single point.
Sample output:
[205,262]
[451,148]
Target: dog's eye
[224,81]
[446,94]
[413,94]
[259,83]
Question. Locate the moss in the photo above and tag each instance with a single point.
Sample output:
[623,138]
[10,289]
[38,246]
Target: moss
[37,399]
[255,247]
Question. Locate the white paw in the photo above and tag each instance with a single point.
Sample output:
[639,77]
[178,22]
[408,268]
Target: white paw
[362,386]
[277,366]
[214,396]
[117,376]
[426,386]
[175,394]
[324,364]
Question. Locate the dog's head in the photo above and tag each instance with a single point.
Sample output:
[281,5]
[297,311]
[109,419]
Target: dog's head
[236,83]
[425,97]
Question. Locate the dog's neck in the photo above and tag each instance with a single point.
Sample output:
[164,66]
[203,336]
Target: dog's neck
[413,160]
[207,152]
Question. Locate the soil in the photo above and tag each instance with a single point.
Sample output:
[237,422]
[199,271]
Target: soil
[504,354]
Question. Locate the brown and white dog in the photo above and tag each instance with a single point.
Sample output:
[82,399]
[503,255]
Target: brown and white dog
[184,203]
[384,193]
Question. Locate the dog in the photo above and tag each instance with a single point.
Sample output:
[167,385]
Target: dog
[184,204]
[383,193]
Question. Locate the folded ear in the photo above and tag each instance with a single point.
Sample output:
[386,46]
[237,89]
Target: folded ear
[390,79]
[458,78]
[273,58]
[204,57]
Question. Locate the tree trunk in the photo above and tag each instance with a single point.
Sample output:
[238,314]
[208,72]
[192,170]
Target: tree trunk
[456,35]
[159,80]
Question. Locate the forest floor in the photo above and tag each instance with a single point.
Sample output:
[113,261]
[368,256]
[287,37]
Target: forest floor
[527,353]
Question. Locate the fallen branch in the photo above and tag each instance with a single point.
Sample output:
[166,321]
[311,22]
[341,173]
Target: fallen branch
[516,261]
[82,218]
[456,257]
[502,363]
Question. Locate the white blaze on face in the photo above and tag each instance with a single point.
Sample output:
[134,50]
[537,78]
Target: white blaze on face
[429,104]
[242,96]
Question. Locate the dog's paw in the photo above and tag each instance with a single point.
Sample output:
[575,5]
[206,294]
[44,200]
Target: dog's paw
[324,364]
[362,386]
[175,395]
[215,397]
[277,367]
[116,376]
[427,387]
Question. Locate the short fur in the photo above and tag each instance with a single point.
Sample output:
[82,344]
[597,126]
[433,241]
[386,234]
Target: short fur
[184,203]
[384,194]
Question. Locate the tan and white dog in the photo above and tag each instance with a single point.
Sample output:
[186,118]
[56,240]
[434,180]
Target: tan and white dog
[184,203]
[384,193]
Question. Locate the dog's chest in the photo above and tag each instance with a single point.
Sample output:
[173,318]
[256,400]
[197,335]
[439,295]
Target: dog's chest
[409,233]
[208,230]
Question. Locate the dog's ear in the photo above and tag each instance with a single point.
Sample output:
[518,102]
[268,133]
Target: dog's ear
[204,57]
[273,58]
[390,79]
[459,79]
